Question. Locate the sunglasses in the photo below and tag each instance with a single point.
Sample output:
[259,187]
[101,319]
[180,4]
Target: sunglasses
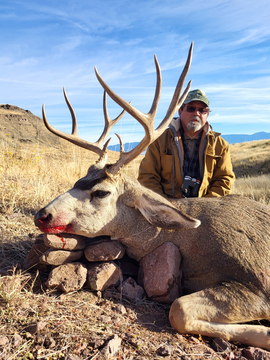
[192,109]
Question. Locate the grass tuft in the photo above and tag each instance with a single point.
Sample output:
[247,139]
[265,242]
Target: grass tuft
[40,324]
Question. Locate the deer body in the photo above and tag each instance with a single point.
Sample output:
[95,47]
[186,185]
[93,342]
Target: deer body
[224,242]
[225,261]
[231,244]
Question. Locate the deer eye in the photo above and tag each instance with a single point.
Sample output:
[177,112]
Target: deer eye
[99,194]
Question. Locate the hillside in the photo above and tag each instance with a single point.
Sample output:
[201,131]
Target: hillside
[20,126]
[251,158]
[24,127]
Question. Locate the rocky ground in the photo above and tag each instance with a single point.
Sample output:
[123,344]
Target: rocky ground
[85,325]
[38,323]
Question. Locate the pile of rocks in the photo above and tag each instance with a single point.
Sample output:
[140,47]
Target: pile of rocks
[100,263]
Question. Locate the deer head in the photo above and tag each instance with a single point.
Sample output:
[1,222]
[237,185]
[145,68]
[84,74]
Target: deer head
[105,199]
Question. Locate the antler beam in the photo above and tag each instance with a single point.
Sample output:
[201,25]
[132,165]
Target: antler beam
[75,139]
[147,120]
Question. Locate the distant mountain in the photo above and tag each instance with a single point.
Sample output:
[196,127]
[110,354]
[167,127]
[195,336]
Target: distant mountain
[238,138]
[127,146]
[232,139]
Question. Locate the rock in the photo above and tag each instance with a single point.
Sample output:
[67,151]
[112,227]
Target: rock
[120,309]
[112,346]
[17,340]
[111,293]
[36,327]
[64,241]
[129,267]
[4,340]
[67,277]
[253,353]
[32,259]
[221,345]
[101,276]
[104,251]
[49,342]
[164,350]
[60,257]
[131,290]
[160,271]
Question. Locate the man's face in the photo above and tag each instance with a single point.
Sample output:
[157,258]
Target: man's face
[193,118]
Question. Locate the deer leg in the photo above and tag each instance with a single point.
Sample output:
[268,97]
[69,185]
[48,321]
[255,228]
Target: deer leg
[216,312]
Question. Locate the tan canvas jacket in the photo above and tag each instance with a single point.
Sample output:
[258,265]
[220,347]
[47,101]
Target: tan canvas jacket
[162,167]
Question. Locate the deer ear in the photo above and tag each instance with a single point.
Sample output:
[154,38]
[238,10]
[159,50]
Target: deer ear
[163,215]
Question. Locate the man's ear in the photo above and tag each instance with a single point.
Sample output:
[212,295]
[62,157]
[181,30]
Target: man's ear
[163,214]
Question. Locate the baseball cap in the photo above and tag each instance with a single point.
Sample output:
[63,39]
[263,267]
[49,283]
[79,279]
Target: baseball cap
[197,95]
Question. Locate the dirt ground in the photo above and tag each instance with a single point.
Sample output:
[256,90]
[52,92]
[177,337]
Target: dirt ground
[37,323]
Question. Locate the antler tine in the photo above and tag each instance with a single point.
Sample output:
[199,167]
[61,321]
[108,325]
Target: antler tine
[73,137]
[72,112]
[155,103]
[122,150]
[109,123]
[147,120]
[177,101]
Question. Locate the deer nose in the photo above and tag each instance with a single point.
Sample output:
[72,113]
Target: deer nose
[41,217]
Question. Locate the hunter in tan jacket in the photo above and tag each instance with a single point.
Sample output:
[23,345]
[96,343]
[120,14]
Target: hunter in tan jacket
[164,166]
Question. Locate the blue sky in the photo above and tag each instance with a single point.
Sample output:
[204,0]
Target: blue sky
[46,45]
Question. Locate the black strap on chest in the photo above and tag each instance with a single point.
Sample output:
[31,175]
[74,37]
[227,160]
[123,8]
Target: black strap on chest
[191,163]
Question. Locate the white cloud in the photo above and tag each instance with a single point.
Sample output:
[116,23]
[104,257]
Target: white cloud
[45,47]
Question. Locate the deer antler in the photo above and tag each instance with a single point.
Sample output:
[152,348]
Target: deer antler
[147,120]
[75,139]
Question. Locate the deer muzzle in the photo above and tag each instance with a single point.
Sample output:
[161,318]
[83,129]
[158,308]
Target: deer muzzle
[47,223]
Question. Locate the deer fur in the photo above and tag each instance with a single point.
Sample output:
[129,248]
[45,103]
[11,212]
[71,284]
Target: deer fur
[224,243]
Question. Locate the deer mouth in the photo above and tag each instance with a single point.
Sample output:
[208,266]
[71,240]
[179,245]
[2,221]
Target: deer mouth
[55,229]
[47,224]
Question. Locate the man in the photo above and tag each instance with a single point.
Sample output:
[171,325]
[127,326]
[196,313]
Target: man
[189,159]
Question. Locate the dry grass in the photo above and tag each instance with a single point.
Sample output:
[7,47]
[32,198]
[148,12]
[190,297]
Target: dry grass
[31,176]
[40,324]
[251,158]
[254,187]
[251,163]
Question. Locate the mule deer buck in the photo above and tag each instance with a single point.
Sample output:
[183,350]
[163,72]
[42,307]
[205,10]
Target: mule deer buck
[224,242]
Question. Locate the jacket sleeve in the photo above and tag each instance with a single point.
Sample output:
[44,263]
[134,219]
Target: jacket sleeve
[223,175]
[150,169]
